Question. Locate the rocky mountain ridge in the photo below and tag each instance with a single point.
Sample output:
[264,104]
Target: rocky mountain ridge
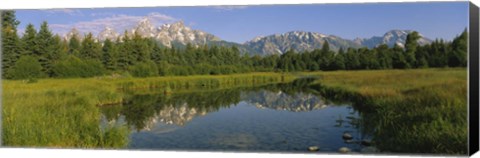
[178,34]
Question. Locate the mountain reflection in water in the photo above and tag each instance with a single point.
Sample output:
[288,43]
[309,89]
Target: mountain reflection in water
[286,117]
[144,111]
[282,101]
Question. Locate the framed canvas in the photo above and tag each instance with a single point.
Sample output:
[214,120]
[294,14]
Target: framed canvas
[327,79]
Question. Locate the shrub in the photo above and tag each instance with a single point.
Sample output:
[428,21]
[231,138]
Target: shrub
[181,70]
[203,68]
[74,67]
[163,68]
[146,69]
[27,67]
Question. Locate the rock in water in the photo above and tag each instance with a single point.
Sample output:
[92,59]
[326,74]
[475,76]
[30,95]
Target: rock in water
[344,150]
[349,141]
[313,148]
[366,142]
[347,136]
[369,149]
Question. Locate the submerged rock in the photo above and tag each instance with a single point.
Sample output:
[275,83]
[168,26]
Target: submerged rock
[313,148]
[344,150]
[347,136]
[366,142]
[350,117]
[369,149]
[349,141]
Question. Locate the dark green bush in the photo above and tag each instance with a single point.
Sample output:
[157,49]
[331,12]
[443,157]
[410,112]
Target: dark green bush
[74,67]
[27,67]
[146,69]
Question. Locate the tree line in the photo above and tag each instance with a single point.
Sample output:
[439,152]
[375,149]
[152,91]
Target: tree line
[42,54]
[437,54]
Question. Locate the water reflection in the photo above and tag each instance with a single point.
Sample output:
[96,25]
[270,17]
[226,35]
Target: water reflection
[282,101]
[142,111]
[236,119]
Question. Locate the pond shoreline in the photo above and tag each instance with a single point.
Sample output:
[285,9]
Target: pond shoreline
[388,100]
[383,92]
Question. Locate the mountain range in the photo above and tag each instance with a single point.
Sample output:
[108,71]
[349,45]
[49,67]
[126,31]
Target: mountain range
[177,34]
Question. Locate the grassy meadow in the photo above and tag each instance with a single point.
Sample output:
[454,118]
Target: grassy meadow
[65,113]
[420,110]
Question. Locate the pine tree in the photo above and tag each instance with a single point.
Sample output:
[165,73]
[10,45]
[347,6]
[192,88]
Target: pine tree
[437,57]
[384,56]
[157,53]
[339,62]
[399,61]
[352,61]
[326,57]
[11,47]
[10,50]
[286,61]
[410,48]
[421,56]
[458,55]
[326,46]
[90,49]
[74,46]
[123,61]
[44,40]
[109,58]
[56,53]
[29,41]
[140,50]
[9,19]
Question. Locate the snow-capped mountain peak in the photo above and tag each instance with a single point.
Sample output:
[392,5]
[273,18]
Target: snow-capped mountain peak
[178,24]
[73,33]
[179,33]
[297,40]
[145,28]
[391,38]
[108,33]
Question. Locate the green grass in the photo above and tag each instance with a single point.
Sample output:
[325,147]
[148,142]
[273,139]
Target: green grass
[203,81]
[410,111]
[65,112]
[57,113]
[413,111]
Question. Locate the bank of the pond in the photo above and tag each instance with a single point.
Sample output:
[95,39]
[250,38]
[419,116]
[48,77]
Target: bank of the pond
[413,111]
[203,81]
[65,113]
[419,111]
[58,113]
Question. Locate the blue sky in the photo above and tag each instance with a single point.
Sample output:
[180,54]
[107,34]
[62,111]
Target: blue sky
[242,23]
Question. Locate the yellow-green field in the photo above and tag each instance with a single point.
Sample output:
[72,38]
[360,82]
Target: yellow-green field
[64,112]
[422,110]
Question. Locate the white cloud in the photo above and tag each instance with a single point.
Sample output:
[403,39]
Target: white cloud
[230,7]
[119,22]
[102,14]
[72,12]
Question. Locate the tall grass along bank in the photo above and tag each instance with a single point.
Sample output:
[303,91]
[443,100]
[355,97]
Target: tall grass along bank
[65,113]
[412,111]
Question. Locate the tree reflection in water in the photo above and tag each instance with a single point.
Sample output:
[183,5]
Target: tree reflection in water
[160,112]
